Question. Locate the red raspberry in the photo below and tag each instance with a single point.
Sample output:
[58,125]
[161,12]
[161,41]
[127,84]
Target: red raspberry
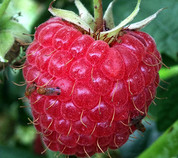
[85,95]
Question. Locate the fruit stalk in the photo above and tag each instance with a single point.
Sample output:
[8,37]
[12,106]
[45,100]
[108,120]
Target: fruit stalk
[98,15]
[4,7]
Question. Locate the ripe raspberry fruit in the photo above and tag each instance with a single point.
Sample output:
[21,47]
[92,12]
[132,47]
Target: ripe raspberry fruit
[88,94]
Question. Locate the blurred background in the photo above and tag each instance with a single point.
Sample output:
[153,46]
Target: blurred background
[18,139]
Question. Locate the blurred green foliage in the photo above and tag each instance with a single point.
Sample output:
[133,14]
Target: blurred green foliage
[17,138]
[166,110]
[165,146]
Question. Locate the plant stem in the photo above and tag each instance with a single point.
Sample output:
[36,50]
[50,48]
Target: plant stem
[98,15]
[168,73]
[4,7]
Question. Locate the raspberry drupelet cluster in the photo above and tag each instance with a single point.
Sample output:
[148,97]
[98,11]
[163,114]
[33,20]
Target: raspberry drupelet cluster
[90,83]
[88,96]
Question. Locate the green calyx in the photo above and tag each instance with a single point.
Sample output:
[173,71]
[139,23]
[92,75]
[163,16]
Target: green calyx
[101,27]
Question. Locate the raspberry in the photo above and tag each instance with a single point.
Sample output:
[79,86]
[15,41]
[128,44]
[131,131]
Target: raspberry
[88,96]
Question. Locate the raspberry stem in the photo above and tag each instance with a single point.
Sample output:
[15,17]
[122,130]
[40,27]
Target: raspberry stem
[4,7]
[98,15]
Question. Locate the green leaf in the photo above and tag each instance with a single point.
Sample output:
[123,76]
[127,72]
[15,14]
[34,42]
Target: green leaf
[166,146]
[6,42]
[11,34]
[29,11]
[3,7]
[52,154]
[9,152]
[165,113]
[29,134]
[17,30]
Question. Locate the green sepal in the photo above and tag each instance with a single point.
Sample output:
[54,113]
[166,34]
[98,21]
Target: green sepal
[113,33]
[84,14]
[108,16]
[139,25]
[71,17]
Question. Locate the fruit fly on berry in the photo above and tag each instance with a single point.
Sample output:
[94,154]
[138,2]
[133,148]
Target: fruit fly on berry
[30,89]
[49,91]
[137,123]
